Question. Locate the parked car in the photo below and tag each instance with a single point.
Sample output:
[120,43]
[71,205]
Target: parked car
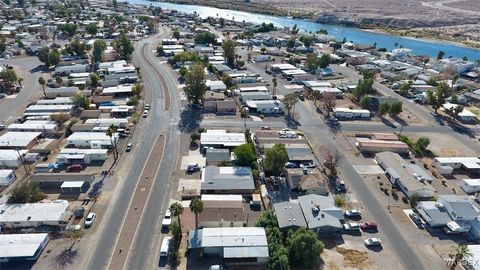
[290,165]
[73,227]
[341,187]
[167,219]
[145,113]
[90,218]
[351,226]
[193,167]
[265,128]
[2,127]
[147,106]
[373,242]
[332,119]
[129,147]
[216,267]
[415,218]
[368,226]
[309,165]
[75,168]
[2,95]
[353,213]
[78,213]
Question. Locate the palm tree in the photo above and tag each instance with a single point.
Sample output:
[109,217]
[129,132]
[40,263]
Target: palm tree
[20,80]
[177,210]
[196,207]
[274,82]
[112,129]
[461,252]
[59,81]
[41,81]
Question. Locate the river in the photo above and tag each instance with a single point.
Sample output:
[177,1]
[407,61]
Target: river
[356,35]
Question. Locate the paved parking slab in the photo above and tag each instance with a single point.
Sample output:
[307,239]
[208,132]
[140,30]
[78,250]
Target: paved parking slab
[368,169]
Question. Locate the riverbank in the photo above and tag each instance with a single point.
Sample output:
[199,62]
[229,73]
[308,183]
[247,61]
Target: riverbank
[267,9]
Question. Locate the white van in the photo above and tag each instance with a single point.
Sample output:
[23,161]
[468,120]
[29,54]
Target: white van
[165,249]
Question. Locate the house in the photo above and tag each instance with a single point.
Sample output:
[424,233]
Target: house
[465,115]
[321,214]
[61,92]
[289,215]
[47,110]
[227,180]
[347,113]
[216,86]
[217,156]
[265,106]
[449,210]
[107,122]
[94,140]
[56,180]
[22,247]
[69,156]
[120,90]
[46,127]
[314,182]
[410,178]
[222,211]
[19,140]
[446,165]
[470,186]
[456,64]
[221,139]
[7,177]
[299,153]
[33,215]
[10,158]
[367,145]
[234,245]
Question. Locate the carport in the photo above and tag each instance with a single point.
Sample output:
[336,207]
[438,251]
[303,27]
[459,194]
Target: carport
[74,187]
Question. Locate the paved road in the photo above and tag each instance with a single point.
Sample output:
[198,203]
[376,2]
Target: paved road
[144,139]
[145,252]
[28,68]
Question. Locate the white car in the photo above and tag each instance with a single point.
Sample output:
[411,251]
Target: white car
[145,113]
[167,220]
[351,226]
[372,242]
[90,218]
[353,213]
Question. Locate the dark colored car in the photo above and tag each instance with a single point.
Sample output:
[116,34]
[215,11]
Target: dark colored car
[75,168]
[368,226]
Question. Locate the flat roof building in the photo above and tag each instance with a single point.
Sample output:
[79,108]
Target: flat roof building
[220,138]
[22,247]
[24,215]
[374,146]
[43,126]
[289,215]
[19,140]
[229,180]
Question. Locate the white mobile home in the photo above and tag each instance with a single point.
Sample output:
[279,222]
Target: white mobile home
[470,186]
[93,140]
[347,113]
[10,158]
[107,122]
[66,70]
[45,126]
[7,177]
[22,247]
[69,156]
[65,91]
[27,215]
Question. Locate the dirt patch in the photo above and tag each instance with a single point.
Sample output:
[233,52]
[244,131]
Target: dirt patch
[354,258]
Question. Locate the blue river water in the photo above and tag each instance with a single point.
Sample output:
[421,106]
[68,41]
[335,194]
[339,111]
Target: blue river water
[356,35]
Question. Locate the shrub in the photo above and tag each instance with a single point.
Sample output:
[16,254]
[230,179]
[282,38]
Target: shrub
[404,200]
[339,200]
[195,136]
[444,182]
[201,130]
[381,183]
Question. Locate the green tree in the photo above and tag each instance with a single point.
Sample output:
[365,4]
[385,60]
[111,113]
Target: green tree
[81,101]
[440,55]
[274,83]
[245,154]
[114,4]
[267,219]
[289,100]
[307,41]
[8,78]
[94,80]
[3,44]
[160,51]
[339,200]
[60,118]
[383,109]
[279,259]
[75,47]
[176,34]
[404,89]
[437,98]
[27,192]
[91,29]
[112,129]
[290,43]
[195,83]
[457,110]
[228,47]
[196,207]
[53,57]
[420,146]
[294,30]
[364,87]
[133,101]
[312,62]
[42,82]
[461,252]
[365,102]
[137,89]
[177,210]
[69,29]
[205,38]
[395,109]
[98,47]
[175,230]
[304,249]
[324,60]
[275,159]
[124,47]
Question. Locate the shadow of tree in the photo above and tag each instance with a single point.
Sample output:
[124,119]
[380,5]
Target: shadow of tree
[189,120]
[292,122]
[400,121]
[38,68]
[65,258]
[387,122]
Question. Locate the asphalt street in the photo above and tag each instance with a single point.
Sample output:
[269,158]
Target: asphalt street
[157,122]
[28,68]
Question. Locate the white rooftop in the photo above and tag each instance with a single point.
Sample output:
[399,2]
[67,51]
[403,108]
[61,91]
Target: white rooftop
[221,197]
[221,137]
[34,124]
[20,245]
[127,88]
[92,136]
[234,237]
[18,139]
[72,184]
[40,212]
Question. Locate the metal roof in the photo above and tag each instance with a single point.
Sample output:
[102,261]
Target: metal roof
[289,214]
[20,245]
[41,212]
[227,178]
